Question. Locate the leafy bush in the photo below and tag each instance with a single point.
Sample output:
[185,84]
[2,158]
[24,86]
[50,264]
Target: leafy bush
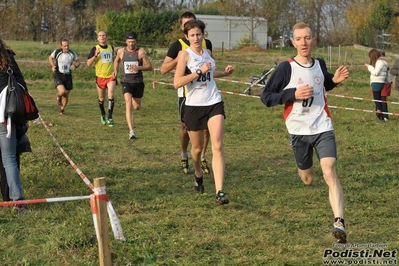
[245,41]
[150,26]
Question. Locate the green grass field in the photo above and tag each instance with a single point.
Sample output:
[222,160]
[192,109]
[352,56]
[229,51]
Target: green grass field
[272,218]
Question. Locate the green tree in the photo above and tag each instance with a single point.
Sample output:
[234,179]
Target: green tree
[154,5]
[369,17]
[381,14]
[150,26]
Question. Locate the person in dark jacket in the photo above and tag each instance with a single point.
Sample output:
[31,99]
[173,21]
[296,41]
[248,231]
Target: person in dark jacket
[8,136]
[395,72]
[23,145]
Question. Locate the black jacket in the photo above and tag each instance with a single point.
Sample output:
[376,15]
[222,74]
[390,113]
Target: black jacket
[16,72]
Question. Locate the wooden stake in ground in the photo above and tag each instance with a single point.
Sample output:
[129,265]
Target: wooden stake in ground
[102,222]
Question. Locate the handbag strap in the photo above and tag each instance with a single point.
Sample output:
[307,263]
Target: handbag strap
[11,79]
[10,71]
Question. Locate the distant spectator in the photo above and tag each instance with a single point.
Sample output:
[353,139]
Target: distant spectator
[395,71]
[378,69]
[386,91]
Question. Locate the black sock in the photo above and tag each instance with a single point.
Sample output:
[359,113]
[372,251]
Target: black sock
[199,180]
[110,107]
[340,219]
[101,105]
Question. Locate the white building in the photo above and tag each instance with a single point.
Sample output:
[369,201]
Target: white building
[225,31]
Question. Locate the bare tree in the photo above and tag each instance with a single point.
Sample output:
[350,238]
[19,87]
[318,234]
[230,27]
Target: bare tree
[333,21]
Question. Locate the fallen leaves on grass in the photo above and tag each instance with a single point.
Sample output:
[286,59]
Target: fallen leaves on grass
[252,49]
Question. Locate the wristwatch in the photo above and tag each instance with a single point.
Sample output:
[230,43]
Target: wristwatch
[199,72]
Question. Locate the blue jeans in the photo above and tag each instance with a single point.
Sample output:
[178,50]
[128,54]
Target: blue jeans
[379,106]
[8,147]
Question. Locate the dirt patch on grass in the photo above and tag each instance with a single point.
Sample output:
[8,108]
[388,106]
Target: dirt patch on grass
[252,49]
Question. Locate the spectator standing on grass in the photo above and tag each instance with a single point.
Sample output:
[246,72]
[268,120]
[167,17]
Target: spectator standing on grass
[63,61]
[395,71]
[301,84]
[8,132]
[23,145]
[134,61]
[102,56]
[386,91]
[204,107]
[378,69]
[168,65]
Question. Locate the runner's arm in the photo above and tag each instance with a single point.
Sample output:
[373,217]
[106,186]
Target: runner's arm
[147,65]
[117,60]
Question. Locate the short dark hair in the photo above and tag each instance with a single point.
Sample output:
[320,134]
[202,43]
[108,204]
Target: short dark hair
[187,14]
[191,24]
[63,39]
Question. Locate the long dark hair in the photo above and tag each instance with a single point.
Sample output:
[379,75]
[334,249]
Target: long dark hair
[5,59]
[374,54]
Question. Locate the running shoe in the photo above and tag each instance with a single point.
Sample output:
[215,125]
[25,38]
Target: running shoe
[20,208]
[221,198]
[204,166]
[59,100]
[339,232]
[184,165]
[103,120]
[132,135]
[111,122]
[198,184]
[62,112]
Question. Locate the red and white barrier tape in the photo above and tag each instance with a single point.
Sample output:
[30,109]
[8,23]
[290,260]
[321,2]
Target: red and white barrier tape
[362,110]
[220,79]
[84,178]
[115,223]
[360,98]
[260,85]
[331,106]
[47,200]
[239,94]
[100,193]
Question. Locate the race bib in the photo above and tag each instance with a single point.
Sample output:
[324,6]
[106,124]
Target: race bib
[106,57]
[64,68]
[128,67]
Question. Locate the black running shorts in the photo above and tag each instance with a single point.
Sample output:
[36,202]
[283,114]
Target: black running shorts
[182,106]
[196,117]
[63,79]
[135,89]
